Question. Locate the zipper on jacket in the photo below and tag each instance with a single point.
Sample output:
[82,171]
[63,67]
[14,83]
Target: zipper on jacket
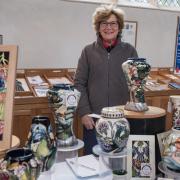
[108,55]
[108,76]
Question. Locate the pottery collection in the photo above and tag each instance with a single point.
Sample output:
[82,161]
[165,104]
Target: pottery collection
[63,100]
[42,142]
[136,71]
[112,129]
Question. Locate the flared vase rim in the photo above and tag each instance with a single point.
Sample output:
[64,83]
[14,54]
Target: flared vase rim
[12,153]
[176,129]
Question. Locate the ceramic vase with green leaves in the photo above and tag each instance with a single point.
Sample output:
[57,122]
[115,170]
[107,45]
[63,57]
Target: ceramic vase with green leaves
[136,71]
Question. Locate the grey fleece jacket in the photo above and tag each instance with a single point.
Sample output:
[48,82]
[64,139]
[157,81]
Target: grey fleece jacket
[99,76]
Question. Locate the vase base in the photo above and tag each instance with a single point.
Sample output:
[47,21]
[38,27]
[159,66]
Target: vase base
[67,143]
[138,107]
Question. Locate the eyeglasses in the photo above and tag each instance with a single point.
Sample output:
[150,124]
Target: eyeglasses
[112,24]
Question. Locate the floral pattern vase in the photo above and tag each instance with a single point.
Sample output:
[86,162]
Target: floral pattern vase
[174,108]
[112,129]
[63,99]
[41,141]
[171,150]
[19,164]
[136,71]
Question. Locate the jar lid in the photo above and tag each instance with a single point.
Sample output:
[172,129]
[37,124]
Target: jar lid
[112,112]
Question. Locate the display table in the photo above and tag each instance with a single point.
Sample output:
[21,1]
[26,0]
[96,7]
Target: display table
[150,122]
[14,144]
[62,171]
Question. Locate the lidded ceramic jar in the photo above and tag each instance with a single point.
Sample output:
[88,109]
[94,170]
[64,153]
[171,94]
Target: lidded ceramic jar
[136,71]
[112,129]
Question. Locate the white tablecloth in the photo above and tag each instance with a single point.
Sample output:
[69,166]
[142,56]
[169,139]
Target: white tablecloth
[62,171]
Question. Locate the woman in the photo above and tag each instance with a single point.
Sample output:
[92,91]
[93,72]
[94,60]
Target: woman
[99,76]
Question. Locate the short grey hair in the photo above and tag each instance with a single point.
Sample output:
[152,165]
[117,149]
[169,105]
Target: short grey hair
[103,12]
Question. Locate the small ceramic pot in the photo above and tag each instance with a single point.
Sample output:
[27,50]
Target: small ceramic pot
[136,71]
[112,129]
[63,100]
[20,163]
[41,141]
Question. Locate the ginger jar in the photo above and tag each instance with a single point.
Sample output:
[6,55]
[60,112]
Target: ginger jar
[112,129]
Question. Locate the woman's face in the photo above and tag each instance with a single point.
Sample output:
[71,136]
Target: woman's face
[109,29]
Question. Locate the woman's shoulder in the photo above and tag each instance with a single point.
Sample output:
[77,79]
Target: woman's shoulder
[90,46]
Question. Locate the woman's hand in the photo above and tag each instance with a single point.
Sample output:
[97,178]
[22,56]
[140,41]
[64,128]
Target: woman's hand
[88,122]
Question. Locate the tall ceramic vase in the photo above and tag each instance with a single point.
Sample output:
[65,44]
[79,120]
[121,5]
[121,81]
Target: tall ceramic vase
[174,108]
[112,130]
[63,99]
[41,141]
[136,71]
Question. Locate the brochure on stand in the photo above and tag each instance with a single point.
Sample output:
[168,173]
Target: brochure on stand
[85,166]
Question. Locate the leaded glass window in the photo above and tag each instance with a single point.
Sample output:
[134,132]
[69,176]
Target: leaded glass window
[169,3]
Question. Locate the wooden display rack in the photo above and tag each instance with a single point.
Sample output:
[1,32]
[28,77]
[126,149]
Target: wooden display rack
[160,98]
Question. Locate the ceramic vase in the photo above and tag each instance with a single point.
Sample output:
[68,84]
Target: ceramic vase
[171,151]
[136,71]
[63,100]
[41,141]
[174,108]
[19,164]
[112,129]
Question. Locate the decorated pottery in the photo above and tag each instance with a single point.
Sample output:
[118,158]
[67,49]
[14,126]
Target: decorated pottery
[112,129]
[171,150]
[19,164]
[63,99]
[41,141]
[174,108]
[136,71]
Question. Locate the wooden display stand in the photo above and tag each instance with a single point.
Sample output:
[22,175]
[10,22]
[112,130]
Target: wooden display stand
[150,122]
[14,144]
